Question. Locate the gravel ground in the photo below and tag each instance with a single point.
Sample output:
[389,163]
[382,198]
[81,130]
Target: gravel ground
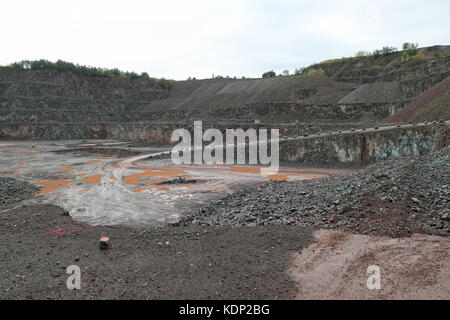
[38,243]
[391,198]
[13,190]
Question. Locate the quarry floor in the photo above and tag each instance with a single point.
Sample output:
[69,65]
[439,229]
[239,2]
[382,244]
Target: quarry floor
[39,239]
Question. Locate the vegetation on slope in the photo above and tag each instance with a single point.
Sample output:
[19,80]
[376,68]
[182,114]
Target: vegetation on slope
[84,70]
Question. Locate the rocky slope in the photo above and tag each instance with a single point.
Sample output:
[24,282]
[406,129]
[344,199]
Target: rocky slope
[51,105]
[394,198]
[13,190]
[433,104]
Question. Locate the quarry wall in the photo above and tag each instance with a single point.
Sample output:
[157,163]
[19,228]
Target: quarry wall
[358,148]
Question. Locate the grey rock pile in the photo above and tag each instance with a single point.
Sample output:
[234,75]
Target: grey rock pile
[13,190]
[394,198]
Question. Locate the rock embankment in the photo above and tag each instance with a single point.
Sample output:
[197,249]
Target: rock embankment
[393,198]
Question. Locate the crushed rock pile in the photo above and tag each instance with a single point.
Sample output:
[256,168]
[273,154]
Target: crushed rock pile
[393,198]
[13,190]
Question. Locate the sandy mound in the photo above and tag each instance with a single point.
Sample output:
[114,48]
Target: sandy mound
[336,266]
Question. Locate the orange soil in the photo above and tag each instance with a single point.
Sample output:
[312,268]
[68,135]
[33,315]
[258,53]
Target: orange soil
[52,186]
[66,168]
[95,179]
[48,189]
[278,177]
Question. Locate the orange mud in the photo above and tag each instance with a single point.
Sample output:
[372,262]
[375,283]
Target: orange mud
[134,179]
[52,186]
[48,190]
[278,177]
[69,168]
[95,179]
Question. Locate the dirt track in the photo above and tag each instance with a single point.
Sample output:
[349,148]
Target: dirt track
[335,267]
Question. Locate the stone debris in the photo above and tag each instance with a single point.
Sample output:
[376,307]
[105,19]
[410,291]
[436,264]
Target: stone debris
[13,190]
[395,198]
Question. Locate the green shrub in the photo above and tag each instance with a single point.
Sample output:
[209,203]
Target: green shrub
[385,51]
[166,84]
[269,74]
[69,66]
[411,48]
[362,53]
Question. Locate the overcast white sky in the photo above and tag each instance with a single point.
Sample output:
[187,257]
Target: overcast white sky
[178,39]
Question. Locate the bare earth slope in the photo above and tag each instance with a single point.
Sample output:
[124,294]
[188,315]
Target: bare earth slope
[433,104]
[335,267]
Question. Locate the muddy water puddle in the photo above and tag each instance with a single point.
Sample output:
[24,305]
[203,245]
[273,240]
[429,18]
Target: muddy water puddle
[124,187]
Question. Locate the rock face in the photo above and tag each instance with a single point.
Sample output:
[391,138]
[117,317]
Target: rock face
[363,147]
[47,104]
[414,74]
[52,105]
[433,104]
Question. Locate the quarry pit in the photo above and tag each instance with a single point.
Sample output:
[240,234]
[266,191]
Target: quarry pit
[85,157]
